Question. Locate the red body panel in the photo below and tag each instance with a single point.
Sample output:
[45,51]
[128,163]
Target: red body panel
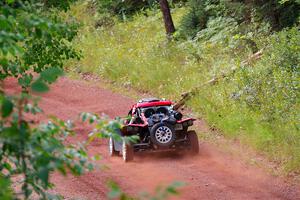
[152,104]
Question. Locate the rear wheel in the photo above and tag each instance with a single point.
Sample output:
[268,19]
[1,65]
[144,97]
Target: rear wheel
[127,151]
[111,147]
[162,135]
[194,143]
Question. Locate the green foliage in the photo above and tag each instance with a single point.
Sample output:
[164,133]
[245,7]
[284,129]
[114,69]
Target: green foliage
[62,5]
[219,30]
[34,45]
[116,192]
[258,105]
[105,128]
[33,42]
[161,193]
[5,191]
[36,152]
[272,88]
[123,8]
[284,50]
[195,20]
[7,107]
[39,86]
[277,14]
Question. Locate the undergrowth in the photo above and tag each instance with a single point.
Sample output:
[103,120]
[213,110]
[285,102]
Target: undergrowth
[258,104]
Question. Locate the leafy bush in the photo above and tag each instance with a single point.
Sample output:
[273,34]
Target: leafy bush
[32,42]
[61,5]
[160,193]
[277,14]
[127,8]
[272,86]
[219,30]
[122,8]
[195,20]
[259,103]
[33,46]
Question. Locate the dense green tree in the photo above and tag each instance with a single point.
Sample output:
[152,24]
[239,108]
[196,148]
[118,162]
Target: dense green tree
[33,47]
[278,14]
[195,20]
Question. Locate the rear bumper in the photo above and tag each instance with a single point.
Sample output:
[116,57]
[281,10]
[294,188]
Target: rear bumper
[178,144]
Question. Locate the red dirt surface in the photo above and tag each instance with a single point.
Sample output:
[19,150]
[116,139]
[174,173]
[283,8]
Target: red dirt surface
[212,174]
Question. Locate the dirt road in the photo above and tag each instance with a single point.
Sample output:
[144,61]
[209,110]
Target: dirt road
[211,175]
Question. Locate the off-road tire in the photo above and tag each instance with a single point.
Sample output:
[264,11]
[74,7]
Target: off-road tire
[127,151]
[166,140]
[194,143]
[111,148]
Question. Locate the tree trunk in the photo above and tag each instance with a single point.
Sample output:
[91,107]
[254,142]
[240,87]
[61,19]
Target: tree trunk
[165,9]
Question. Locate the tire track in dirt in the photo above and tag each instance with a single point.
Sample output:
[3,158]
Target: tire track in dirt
[211,175]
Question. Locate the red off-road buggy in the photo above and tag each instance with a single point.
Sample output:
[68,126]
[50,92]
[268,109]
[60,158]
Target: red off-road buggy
[158,127]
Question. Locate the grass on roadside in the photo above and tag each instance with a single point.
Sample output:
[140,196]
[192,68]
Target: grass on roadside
[135,54]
